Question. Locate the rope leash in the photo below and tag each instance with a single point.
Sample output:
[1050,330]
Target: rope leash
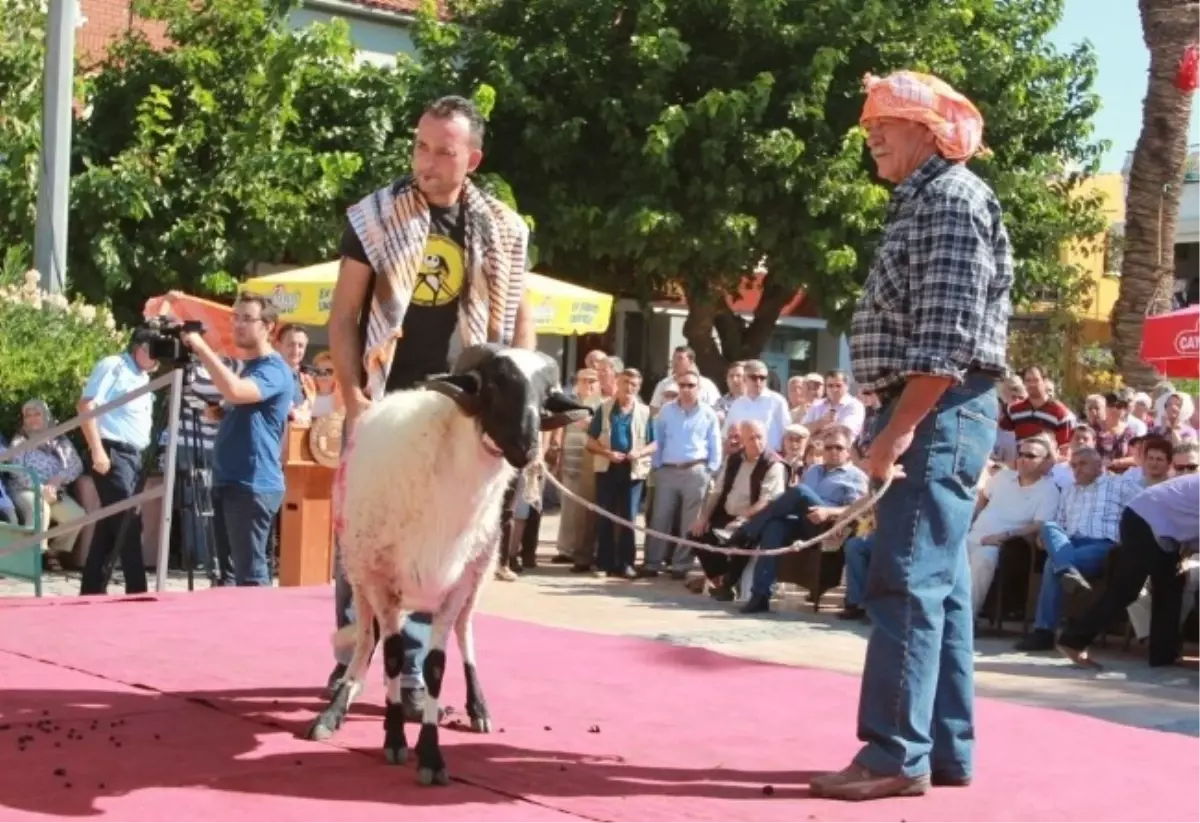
[856,510]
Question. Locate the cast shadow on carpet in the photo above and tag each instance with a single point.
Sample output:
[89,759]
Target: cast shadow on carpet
[64,761]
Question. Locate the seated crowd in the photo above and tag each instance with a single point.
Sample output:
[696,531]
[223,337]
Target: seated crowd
[756,469]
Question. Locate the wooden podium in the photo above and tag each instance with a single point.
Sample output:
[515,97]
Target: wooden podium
[306,549]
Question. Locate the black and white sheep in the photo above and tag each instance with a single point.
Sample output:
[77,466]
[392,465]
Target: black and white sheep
[419,504]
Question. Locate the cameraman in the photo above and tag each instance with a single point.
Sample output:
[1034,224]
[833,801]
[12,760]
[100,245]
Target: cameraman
[115,442]
[247,470]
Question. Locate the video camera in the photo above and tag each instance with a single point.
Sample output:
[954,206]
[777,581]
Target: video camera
[162,336]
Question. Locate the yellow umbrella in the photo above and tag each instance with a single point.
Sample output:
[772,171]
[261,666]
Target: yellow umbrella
[304,295]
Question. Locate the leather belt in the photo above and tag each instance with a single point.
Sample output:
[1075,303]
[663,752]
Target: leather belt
[686,465]
[890,393]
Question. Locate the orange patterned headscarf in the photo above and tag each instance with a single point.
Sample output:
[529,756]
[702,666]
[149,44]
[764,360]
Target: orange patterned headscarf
[922,98]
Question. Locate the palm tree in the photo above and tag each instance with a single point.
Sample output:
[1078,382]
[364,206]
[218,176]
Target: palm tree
[1155,183]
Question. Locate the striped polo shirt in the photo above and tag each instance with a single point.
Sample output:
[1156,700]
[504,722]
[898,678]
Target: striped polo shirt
[1026,420]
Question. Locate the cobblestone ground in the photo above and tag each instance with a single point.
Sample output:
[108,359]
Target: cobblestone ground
[1127,691]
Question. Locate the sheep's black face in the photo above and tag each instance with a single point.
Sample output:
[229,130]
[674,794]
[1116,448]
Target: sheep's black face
[516,396]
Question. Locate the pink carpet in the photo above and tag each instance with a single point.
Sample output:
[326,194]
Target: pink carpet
[188,706]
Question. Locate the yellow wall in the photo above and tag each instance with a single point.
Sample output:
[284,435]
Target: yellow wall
[1090,257]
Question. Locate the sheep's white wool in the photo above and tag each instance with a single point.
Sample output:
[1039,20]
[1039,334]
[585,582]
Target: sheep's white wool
[422,499]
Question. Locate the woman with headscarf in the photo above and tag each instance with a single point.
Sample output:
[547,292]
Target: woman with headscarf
[1174,410]
[56,465]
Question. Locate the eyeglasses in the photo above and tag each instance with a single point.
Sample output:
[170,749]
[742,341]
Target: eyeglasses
[245,318]
[757,377]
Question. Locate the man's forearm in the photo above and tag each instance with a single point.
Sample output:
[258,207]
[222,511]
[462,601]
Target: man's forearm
[233,388]
[921,393]
[525,333]
[346,350]
[90,429]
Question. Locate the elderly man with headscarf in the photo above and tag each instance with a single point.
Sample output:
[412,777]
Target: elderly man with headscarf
[928,336]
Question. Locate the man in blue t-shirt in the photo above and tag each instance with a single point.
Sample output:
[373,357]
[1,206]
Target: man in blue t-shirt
[247,456]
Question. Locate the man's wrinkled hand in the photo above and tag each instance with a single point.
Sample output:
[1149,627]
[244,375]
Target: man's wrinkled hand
[885,453]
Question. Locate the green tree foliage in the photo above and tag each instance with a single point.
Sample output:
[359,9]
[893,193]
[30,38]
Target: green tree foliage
[22,40]
[682,143]
[240,142]
[48,348]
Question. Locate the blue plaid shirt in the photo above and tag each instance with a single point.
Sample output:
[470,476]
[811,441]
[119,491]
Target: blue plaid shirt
[937,299]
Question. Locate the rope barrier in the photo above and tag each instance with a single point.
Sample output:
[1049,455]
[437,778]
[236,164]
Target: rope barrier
[852,513]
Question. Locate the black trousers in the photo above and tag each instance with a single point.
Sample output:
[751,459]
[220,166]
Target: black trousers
[118,484]
[715,564]
[1135,558]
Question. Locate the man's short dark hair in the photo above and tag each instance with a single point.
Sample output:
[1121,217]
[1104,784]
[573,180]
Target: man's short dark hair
[454,106]
[1155,443]
[288,328]
[267,309]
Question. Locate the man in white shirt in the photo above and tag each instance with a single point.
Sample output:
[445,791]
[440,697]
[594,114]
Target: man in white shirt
[1015,503]
[838,408]
[760,403]
[683,361]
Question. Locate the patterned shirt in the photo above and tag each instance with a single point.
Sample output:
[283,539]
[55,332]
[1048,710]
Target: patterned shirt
[1095,510]
[937,299]
[54,459]
[1025,420]
[837,487]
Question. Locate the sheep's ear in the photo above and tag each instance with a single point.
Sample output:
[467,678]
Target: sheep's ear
[560,410]
[463,389]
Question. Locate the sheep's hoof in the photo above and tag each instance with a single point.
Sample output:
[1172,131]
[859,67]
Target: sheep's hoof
[483,725]
[433,777]
[321,729]
[396,755]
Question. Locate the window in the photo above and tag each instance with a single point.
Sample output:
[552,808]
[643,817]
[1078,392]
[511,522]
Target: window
[797,348]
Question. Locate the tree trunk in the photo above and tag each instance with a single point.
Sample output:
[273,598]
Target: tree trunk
[737,339]
[1155,184]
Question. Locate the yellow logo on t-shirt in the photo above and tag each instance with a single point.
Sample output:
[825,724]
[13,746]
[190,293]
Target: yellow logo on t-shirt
[440,278]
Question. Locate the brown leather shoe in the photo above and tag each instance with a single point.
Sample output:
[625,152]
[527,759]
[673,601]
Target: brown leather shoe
[857,783]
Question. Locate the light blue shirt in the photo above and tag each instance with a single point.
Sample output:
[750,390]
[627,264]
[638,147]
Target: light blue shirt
[837,487]
[116,376]
[686,435]
[1171,508]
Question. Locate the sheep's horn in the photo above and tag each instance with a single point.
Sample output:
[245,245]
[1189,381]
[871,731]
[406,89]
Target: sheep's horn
[463,389]
[560,410]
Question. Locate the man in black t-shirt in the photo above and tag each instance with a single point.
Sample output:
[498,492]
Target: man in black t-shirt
[432,316]
[446,149]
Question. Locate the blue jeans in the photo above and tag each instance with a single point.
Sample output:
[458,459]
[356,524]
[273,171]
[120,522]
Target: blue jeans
[1086,554]
[242,521]
[414,636]
[776,526]
[858,559]
[619,493]
[916,708]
